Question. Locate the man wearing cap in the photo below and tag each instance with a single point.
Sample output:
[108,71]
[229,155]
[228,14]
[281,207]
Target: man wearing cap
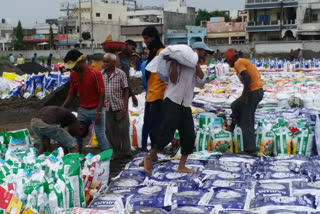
[244,108]
[88,84]
[177,108]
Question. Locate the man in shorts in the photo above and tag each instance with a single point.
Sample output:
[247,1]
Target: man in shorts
[177,108]
[59,124]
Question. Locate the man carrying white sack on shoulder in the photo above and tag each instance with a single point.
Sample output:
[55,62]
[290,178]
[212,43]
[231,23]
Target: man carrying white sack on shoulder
[177,108]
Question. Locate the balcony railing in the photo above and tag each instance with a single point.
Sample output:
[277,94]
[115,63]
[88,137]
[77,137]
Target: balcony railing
[272,23]
[267,1]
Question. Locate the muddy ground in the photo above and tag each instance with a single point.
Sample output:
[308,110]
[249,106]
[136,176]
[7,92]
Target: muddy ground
[16,113]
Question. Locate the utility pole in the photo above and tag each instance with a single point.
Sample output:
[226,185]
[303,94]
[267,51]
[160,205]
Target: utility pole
[67,34]
[80,30]
[91,15]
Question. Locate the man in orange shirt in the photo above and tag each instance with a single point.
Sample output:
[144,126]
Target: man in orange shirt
[153,115]
[244,108]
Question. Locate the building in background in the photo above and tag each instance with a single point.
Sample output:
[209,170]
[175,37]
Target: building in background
[175,6]
[6,31]
[38,38]
[188,36]
[272,19]
[221,32]
[308,20]
[100,20]
[177,16]
[283,20]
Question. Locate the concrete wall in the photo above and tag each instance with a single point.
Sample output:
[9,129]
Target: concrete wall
[261,47]
[312,46]
[58,54]
[280,47]
[245,48]
[272,47]
[178,21]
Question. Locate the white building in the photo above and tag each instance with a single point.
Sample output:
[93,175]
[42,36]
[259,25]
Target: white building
[44,29]
[145,17]
[283,20]
[178,6]
[102,21]
[6,31]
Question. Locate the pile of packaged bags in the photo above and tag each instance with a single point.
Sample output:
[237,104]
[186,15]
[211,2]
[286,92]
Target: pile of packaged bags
[222,184]
[49,182]
[278,131]
[279,88]
[282,65]
[38,85]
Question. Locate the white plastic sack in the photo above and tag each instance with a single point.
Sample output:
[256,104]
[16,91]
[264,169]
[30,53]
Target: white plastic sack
[153,65]
[182,53]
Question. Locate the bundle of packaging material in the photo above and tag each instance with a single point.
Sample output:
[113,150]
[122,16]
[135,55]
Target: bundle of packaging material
[287,66]
[42,184]
[279,88]
[282,65]
[222,184]
[277,132]
[28,85]
[136,115]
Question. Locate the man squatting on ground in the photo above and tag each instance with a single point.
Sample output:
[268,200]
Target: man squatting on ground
[244,108]
[87,83]
[177,108]
[57,123]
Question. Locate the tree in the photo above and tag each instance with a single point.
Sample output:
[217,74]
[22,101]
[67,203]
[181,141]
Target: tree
[18,43]
[239,19]
[204,15]
[51,38]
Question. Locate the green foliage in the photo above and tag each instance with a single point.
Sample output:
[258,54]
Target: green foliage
[204,15]
[18,43]
[239,19]
[51,38]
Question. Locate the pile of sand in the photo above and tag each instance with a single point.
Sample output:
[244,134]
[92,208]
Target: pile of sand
[32,68]
[6,66]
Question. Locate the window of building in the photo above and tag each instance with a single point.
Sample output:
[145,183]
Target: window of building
[78,29]
[109,16]
[315,17]
[97,14]
[130,17]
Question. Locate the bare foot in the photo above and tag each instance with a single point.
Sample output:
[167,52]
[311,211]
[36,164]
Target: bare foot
[185,170]
[153,161]
[148,165]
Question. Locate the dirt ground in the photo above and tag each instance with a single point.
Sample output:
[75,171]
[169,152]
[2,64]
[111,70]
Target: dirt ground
[16,113]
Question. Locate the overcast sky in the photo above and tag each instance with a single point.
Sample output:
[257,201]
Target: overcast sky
[32,11]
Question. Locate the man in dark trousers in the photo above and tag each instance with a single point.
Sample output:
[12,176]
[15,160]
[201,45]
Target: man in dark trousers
[59,124]
[87,83]
[125,58]
[244,108]
[49,60]
[177,109]
[34,58]
[116,103]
